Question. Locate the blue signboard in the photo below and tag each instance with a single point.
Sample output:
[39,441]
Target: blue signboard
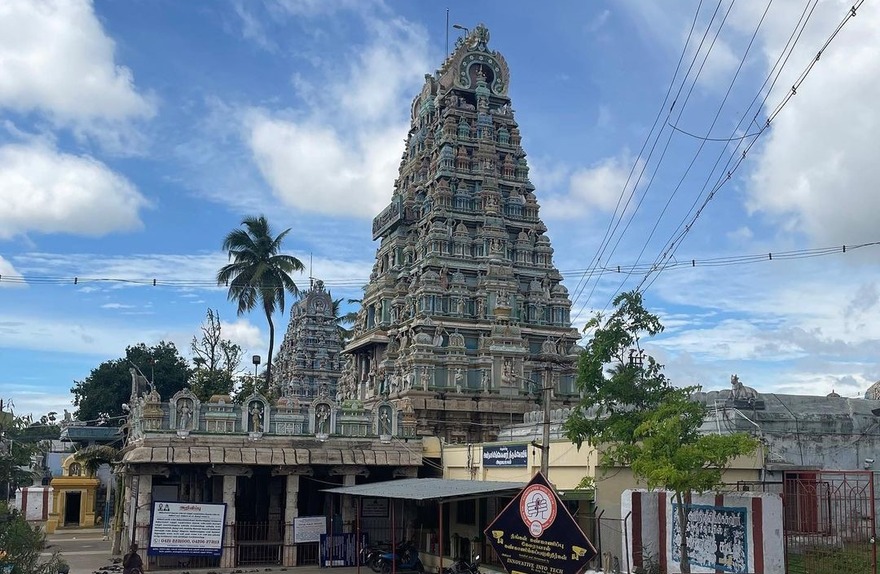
[340,549]
[717,537]
[506,455]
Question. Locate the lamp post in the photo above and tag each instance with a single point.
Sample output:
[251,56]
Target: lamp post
[256,361]
[462,28]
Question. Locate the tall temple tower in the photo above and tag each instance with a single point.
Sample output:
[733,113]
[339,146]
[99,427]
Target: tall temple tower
[309,361]
[464,316]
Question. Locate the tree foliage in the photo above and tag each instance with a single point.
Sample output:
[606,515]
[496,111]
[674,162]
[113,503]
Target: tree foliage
[638,419]
[20,441]
[258,274]
[21,545]
[108,386]
[217,360]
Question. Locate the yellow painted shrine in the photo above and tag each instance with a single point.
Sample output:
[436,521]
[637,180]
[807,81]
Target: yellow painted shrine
[73,497]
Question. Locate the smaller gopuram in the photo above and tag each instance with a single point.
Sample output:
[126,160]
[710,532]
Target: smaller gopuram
[308,362]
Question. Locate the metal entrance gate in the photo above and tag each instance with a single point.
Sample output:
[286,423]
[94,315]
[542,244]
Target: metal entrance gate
[829,522]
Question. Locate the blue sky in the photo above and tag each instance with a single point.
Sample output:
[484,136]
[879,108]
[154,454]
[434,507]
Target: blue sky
[135,134]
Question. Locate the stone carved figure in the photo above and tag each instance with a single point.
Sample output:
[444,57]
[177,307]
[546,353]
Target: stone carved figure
[507,372]
[322,419]
[458,379]
[740,392]
[384,423]
[484,379]
[256,418]
[424,378]
[184,419]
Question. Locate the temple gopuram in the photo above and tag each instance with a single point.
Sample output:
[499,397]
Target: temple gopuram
[309,360]
[465,314]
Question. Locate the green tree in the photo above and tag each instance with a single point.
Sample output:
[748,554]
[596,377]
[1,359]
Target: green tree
[108,386]
[216,360]
[20,440]
[633,413]
[258,273]
[21,545]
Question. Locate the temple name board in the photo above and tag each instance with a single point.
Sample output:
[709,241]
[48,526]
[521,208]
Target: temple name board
[506,455]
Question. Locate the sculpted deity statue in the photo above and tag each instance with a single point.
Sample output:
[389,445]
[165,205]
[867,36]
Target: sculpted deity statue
[184,419]
[256,418]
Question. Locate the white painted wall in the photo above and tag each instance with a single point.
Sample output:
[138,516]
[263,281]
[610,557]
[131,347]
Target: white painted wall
[34,508]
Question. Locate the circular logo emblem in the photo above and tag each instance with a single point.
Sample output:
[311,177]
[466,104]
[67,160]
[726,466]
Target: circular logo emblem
[537,508]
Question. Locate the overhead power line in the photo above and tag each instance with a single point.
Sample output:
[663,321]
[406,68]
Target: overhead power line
[594,271]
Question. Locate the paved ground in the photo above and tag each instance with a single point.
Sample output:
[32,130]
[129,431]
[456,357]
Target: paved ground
[84,549]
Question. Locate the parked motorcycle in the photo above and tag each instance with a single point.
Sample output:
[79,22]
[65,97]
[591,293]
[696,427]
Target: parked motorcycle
[406,558]
[371,555]
[462,566]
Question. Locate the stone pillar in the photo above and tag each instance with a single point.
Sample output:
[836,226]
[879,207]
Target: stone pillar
[291,511]
[227,559]
[143,514]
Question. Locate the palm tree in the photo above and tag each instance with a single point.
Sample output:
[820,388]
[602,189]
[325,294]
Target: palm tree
[343,322]
[258,273]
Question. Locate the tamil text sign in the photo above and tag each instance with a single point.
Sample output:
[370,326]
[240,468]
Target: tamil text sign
[187,529]
[506,455]
[536,534]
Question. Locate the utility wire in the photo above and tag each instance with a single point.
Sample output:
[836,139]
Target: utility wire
[595,271]
[614,222]
[771,78]
[673,246]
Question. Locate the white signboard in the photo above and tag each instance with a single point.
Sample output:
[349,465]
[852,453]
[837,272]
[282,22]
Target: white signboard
[187,528]
[309,528]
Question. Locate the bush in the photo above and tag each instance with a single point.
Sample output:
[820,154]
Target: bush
[22,544]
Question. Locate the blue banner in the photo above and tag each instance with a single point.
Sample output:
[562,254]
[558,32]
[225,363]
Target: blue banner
[340,549]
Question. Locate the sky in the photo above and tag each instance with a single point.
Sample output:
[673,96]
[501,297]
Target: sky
[135,134]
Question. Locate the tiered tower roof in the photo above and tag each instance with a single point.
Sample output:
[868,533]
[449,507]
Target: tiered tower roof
[464,302]
[308,363]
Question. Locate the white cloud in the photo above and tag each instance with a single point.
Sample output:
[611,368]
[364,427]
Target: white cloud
[247,335]
[116,306]
[46,191]
[341,155]
[815,174]
[7,272]
[589,188]
[55,58]
[312,168]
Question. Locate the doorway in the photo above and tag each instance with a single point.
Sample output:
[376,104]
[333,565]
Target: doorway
[72,503]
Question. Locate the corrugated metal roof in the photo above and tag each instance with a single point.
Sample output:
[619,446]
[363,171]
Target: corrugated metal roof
[429,488]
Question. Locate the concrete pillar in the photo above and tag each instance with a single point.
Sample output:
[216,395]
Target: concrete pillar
[291,511]
[348,505]
[227,559]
